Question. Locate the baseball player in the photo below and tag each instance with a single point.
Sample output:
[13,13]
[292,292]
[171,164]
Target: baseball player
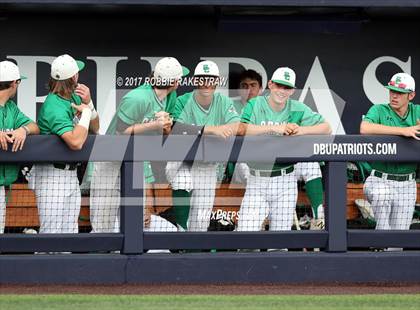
[250,86]
[195,184]
[142,110]
[271,189]
[69,113]
[391,187]
[14,127]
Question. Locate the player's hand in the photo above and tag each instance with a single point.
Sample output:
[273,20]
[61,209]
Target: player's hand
[162,115]
[277,130]
[79,108]
[147,217]
[83,92]
[291,129]
[413,131]
[223,131]
[4,139]
[18,137]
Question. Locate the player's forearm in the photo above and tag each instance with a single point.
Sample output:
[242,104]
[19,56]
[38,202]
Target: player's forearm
[33,129]
[367,128]
[319,129]
[75,138]
[140,128]
[253,130]
[94,125]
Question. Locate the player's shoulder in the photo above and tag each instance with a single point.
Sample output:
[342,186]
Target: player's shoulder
[139,94]
[185,97]
[219,97]
[380,108]
[297,105]
[10,104]
[415,107]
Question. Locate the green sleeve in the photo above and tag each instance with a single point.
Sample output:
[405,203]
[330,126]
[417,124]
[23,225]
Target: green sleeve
[148,173]
[20,119]
[247,114]
[131,109]
[178,108]
[230,115]
[372,116]
[310,118]
[60,122]
[182,110]
[171,104]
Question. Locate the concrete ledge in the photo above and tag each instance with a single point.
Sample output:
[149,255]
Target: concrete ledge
[313,267]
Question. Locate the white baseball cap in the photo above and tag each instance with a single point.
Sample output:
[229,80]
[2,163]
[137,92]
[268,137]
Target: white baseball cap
[284,76]
[402,83]
[9,72]
[65,66]
[169,69]
[207,68]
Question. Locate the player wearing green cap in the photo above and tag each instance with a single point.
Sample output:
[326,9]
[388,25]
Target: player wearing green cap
[14,127]
[69,113]
[143,109]
[391,187]
[271,189]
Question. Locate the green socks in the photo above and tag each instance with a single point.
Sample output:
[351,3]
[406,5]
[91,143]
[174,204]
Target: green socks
[181,203]
[315,194]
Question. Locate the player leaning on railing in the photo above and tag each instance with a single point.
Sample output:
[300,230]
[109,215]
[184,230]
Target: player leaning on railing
[69,113]
[271,189]
[391,187]
[14,127]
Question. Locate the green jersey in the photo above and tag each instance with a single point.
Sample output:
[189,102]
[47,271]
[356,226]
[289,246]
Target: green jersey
[259,112]
[220,112]
[57,116]
[11,118]
[139,106]
[383,114]
[239,106]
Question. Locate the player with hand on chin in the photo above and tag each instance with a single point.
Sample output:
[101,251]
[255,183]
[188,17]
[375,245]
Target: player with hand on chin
[69,113]
[14,127]
[391,187]
[271,189]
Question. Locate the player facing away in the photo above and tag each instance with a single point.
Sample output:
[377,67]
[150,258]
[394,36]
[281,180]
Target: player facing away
[69,113]
[391,186]
[271,188]
[142,110]
[195,184]
[14,127]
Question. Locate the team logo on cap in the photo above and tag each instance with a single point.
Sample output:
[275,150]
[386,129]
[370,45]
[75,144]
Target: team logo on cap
[206,68]
[287,76]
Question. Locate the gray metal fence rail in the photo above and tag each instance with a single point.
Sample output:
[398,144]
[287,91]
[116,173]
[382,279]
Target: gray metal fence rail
[132,151]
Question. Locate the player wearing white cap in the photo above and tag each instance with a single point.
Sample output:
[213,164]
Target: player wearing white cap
[391,187]
[143,109]
[197,182]
[271,189]
[14,127]
[69,113]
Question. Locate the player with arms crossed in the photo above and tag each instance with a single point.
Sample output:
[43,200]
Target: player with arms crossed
[195,184]
[14,127]
[69,113]
[391,187]
[142,110]
[271,190]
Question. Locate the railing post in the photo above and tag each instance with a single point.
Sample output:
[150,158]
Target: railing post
[132,207]
[336,201]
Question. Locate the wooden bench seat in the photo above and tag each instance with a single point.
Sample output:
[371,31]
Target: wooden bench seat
[22,211]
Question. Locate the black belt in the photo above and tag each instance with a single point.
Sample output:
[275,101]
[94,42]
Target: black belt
[394,177]
[273,173]
[65,166]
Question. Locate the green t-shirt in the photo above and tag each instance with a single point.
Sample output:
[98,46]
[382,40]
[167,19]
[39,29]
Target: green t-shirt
[383,114]
[139,106]
[259,112]
[11,118]
[239,106]
[220,112]
[57,116]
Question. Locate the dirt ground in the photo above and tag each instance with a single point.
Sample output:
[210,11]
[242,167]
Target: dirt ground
[243,289]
